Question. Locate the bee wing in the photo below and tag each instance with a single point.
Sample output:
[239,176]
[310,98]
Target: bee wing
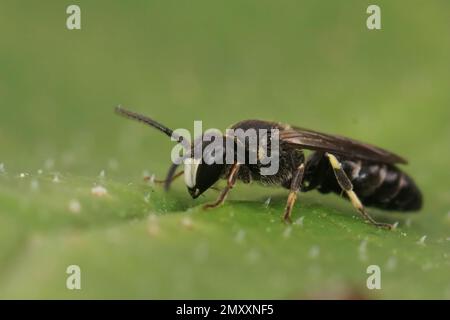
[339,145]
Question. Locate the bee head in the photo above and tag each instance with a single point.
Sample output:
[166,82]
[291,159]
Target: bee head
[200,176]
[205,167]
[202,168]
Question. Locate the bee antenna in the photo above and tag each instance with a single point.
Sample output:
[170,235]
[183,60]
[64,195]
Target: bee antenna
[141,118]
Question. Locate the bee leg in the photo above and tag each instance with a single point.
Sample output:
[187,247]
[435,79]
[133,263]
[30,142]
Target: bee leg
[171,176]
[296,183]
[346,185]
[231,181]
[169,180]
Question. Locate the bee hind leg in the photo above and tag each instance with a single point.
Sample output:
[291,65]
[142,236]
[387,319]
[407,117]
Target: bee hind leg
[346,185]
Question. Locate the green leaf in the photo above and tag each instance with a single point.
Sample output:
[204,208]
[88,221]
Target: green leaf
[306,63]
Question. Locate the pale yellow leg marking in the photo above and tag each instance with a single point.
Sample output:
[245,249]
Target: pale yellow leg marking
[355,200]
[334,162]
[292,197]
[336,165]
[351,194]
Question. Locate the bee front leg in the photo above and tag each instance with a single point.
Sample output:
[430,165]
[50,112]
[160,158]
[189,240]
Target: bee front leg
[169,180]
[296,182]
[231,181]
[346,185]
[171,176]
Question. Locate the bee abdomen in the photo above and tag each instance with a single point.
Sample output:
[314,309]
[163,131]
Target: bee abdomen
[383,186]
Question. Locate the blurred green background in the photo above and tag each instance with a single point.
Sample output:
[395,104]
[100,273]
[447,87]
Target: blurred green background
[309,63]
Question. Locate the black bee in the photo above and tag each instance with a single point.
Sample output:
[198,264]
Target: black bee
[365,173]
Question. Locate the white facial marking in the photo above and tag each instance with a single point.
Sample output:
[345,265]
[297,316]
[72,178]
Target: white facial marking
[190,171]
